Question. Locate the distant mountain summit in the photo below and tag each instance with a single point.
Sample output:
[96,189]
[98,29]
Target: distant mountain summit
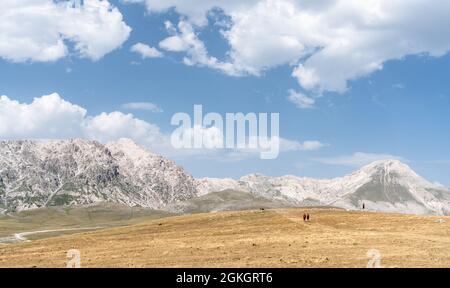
[77,172]
[387,185]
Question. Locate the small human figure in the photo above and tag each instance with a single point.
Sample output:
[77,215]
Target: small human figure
[304,217]
[307,217]
[364,206]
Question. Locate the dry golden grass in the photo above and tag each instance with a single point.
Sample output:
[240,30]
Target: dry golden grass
[270,238]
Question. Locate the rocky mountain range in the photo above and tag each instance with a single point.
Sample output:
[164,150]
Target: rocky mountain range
[75,172]
[386,185]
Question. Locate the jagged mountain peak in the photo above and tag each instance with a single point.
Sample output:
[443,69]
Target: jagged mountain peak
[128,145]
[128,148]
[394,171]
[393,165]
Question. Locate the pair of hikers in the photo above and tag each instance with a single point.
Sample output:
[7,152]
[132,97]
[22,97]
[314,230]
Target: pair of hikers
[305,216]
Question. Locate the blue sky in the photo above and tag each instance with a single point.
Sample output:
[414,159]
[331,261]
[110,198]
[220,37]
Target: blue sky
[400,109]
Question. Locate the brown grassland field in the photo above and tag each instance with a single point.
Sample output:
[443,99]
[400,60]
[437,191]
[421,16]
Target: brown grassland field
[255,238]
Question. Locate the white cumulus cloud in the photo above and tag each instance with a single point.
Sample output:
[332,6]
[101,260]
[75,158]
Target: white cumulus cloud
[115,125]
[40,30]
[196,10]
[300,99]
[52,117]
[328,42]
[46,117]
[185,40]
[146,51]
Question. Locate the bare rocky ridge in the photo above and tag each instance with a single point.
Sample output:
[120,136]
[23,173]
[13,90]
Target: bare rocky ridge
[387,185]
[78,172]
